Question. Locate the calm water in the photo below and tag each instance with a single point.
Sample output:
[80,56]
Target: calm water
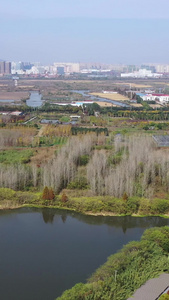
[35,99]
[44,252]
[7,100]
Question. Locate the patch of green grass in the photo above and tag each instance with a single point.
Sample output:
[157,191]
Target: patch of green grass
[50,141]
[65,119]
[15,156]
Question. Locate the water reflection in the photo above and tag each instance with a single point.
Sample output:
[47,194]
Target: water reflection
[46,251]
[64,217]
[124,222]
[48,215]
[51,215]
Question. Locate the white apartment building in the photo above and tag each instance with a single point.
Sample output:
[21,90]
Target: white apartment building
[162,68]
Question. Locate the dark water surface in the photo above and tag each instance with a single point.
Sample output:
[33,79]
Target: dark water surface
[44,252]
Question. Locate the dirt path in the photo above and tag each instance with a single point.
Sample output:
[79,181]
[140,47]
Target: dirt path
[42,154]
[40,132]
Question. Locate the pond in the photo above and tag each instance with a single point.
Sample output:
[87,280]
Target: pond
[35,99]
[44,251]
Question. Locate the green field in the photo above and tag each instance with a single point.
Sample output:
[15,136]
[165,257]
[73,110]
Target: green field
[15,156]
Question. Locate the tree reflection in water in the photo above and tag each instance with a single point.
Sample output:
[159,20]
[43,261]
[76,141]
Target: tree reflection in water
[124,222]
[48,215]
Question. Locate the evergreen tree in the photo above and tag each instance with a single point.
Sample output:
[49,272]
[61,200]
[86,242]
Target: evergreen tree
[64,197]
[51,194]
[45,195]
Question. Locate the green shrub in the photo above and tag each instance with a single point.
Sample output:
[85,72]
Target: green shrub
[83,160]
[7,194]
[145,205]
[164,297]
[79,183]
[158,235]
[159,206]
[116,206]
[132,205]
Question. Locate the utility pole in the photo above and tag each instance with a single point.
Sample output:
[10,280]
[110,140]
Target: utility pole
[115,275]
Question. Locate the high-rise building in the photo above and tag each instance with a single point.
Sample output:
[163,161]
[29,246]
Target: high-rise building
[162,68]
[2,67]
[5,67]
[8,67]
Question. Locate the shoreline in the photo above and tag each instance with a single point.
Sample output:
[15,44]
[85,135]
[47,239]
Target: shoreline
[102,206]
[89,213]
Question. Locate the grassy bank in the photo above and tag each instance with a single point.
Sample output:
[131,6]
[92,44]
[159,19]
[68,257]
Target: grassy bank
[98,205]
[127,270]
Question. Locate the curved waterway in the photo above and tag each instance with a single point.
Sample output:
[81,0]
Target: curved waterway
[88,96]
[44,251]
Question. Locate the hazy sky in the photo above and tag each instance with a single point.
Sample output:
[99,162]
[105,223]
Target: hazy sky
[107,31]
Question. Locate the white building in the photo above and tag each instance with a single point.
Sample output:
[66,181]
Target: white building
[162,68]
[162,98]
[142,73]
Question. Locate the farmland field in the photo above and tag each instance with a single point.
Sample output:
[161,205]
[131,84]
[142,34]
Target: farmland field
[134,85]
[115,97]
[136,104]
[5,95]
[103,104]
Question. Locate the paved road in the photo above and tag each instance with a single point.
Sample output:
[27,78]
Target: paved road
[152,288]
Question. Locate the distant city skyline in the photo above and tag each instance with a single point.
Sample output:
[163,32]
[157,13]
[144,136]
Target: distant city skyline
[126,32]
